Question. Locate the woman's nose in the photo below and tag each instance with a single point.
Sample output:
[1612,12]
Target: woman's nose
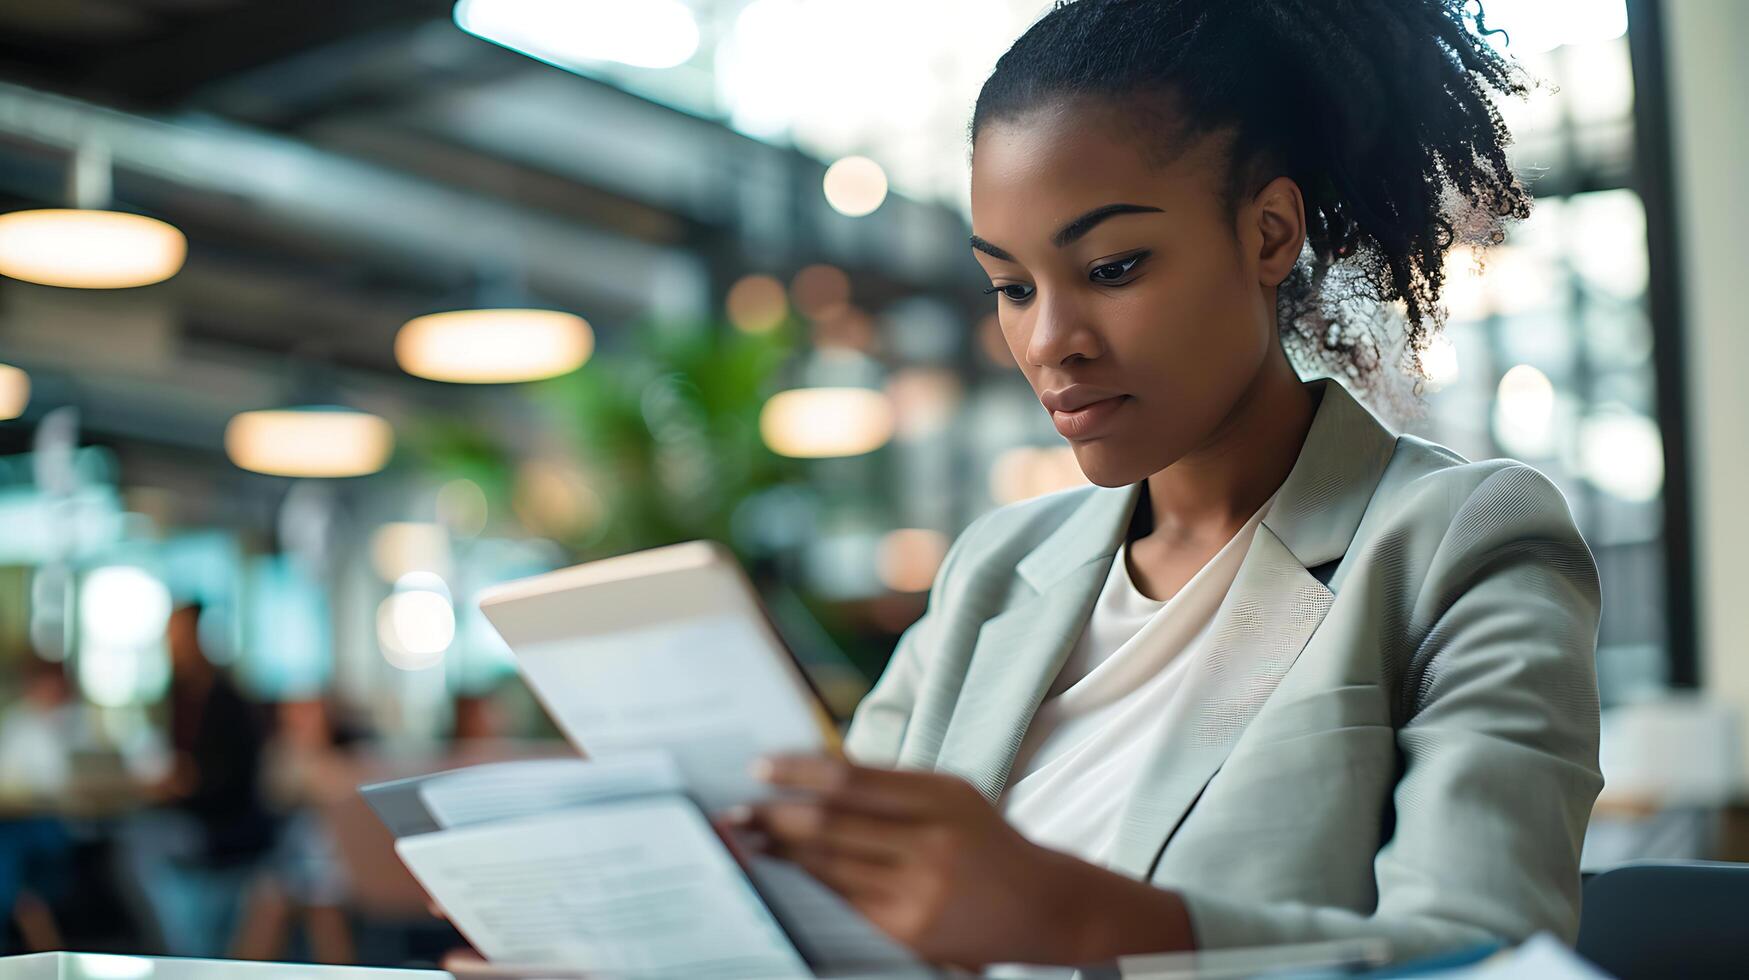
[1059,333]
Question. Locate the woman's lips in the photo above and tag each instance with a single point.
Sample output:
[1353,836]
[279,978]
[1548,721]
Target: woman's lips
[1089,421]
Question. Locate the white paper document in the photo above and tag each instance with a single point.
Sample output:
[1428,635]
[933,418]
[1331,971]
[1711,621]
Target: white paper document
[635,888]
[663,670]
[1541,957]
[503,790]
[708,691]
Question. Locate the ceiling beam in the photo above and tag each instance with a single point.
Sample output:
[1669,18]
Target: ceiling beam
[361,208]
[199,50]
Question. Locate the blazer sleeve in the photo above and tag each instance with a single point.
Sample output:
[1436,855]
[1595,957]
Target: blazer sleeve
[877,726]
[1499,746]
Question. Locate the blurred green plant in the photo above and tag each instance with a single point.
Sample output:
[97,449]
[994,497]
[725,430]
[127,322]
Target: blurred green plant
[667,430]
[454,447]
[663,431]
[655,440]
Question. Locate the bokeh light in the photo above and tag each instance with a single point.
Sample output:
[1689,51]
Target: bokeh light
[924,399]
[416,623]
[83,249]
[1622,453]
[818,288]
[824,422]
[1032,471]
[123,606]
[1524,406]
[493,346]
[553,499]
[1439,361]
[14,391]
[907,558]
[309,442]
[855,186]
[756,304]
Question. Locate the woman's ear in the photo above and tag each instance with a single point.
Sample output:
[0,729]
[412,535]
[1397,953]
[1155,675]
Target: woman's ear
[1279,213]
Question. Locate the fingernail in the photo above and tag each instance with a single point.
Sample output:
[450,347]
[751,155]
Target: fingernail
[740,813]
[763,769]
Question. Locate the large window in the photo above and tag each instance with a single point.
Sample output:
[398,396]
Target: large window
[1550,354]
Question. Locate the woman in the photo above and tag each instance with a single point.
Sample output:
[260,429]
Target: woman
[1280,675]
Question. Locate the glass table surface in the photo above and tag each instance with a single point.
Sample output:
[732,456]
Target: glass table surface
[113,966]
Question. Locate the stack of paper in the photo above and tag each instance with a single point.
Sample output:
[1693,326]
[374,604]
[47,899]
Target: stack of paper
[661,666]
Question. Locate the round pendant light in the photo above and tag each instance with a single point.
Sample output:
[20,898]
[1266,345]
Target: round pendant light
[493,346]
[825,422]
[89,249]
[318,441]
[14,391]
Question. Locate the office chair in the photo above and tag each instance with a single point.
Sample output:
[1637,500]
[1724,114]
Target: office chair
[1667,919]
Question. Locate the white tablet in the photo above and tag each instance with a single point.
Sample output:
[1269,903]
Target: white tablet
[664,649]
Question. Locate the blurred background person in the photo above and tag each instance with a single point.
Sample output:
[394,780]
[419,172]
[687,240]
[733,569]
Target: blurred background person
[37,734]
[38,731]
[193,853]
[218,738]
[301,892]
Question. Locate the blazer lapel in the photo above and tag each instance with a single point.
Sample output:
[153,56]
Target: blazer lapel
[1270,613]
[1019,651]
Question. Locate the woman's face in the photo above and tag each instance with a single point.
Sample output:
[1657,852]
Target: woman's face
[1139,311]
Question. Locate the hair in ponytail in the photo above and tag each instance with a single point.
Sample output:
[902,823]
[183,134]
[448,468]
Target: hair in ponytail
[1378,109]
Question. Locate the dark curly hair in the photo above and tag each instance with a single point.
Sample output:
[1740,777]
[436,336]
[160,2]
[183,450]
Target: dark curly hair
[1378,109]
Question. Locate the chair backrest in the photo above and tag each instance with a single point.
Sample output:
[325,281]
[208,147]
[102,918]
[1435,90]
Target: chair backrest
[1668,919]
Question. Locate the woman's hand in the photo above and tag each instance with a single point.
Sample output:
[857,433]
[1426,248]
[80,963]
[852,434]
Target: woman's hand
[924,857]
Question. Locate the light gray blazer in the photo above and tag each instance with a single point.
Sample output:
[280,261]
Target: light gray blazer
[1395,728]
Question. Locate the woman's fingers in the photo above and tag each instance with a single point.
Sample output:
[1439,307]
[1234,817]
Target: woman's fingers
[815,823]
[888,792]
[848,874]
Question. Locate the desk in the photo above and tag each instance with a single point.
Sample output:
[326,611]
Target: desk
[1541,957]
[110,966]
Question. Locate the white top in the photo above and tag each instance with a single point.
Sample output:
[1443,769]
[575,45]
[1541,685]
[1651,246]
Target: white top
[1116,697]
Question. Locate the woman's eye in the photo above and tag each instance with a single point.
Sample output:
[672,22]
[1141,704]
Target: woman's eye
[1114,271]
[1009,291]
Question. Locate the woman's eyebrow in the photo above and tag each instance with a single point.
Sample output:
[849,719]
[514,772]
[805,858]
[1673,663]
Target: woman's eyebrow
[989,249]
[1084,224]
[1072,231]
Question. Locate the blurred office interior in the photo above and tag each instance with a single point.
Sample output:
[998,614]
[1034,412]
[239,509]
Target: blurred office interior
[263,450]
